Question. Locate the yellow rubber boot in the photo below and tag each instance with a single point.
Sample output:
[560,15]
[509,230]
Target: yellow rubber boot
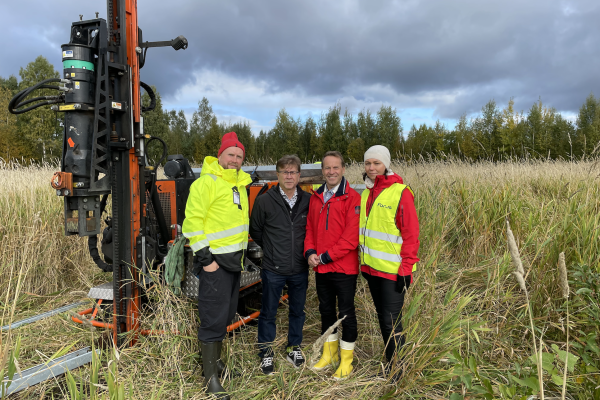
[330,353]
[346,355]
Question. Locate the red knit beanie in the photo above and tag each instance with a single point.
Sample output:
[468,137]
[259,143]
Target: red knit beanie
[230,140]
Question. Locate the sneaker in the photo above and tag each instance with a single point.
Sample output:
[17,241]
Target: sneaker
[266,365]
[295,356]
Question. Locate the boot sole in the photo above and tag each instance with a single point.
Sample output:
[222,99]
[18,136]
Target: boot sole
[322,369]
[340,379]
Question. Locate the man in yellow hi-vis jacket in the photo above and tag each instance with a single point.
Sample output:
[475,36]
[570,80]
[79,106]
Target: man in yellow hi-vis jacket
[216,224]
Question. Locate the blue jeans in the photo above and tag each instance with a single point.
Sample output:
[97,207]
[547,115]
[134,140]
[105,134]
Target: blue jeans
[272,285]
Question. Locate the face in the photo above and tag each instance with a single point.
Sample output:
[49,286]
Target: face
[232,158]
[332,171]
[374,167]
[288,177]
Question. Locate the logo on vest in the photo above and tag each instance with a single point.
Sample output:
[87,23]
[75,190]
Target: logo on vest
[384,206]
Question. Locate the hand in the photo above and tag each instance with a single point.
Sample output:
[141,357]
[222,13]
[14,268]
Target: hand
[212,267]
[313,260]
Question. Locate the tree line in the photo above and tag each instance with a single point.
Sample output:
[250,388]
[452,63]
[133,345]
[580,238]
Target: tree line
[494,134]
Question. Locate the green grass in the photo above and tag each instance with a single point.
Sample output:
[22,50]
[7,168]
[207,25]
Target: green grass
[466,318]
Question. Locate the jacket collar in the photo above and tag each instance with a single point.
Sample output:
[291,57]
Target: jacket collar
[383,181]
[274,191]
[342,188]
[211,166]
[276,195]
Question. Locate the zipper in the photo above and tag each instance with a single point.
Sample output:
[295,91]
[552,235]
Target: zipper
[289,215]
[402,215]
[327,219]
[293,250]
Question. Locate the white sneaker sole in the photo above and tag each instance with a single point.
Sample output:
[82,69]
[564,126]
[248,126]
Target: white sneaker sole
[293,363]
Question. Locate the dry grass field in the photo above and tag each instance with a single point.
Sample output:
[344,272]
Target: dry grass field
[469,332]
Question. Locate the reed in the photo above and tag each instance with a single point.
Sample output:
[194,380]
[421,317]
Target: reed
[463,316]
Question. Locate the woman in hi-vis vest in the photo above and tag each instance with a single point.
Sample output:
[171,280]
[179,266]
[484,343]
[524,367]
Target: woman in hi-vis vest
[389,242]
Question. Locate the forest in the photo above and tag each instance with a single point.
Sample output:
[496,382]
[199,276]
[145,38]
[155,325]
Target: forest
[496,133]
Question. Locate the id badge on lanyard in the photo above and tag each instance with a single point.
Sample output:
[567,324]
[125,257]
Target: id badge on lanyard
[236,197]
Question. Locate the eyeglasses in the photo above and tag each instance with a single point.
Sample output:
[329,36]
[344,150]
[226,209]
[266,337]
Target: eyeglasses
[288,173]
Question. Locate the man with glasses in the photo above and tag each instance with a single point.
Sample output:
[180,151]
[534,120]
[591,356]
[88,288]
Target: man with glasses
[278,225]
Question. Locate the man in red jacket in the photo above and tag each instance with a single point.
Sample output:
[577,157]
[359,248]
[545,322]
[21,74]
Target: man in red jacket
[330,247]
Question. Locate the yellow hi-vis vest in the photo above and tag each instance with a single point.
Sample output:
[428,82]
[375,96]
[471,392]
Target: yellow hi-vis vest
[216,213]
[380,240]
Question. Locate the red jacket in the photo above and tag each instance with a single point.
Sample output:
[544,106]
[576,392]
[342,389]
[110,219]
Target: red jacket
[406,221]
[332,230]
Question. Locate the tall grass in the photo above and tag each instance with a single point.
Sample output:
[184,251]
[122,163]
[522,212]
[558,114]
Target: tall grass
[32,234]
[468,333]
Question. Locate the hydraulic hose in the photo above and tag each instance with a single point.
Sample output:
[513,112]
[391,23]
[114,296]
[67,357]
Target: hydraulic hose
[38,99]
[44,103]
[17,101]
[165,150]
[95,254]
[93,244]
[158,211]
[150,92]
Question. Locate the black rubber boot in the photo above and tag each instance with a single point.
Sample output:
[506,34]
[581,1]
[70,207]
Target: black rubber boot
[220,364]
[210,355]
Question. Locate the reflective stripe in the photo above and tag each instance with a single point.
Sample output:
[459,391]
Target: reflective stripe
[190,234]
[388,237]
[381,255]
[230,249]
[199,245]
[214,177]
[227,232]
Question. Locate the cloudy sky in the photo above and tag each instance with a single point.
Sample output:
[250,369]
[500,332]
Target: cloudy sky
[428,59]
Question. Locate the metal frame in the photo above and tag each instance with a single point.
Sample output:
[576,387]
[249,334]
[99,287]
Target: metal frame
[49,370]
[38,317]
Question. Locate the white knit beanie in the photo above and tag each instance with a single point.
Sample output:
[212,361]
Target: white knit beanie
[379,152]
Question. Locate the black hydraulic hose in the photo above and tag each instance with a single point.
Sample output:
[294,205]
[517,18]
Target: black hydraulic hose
[158,211]
[143,57]
[25,92]
[103,203]
[93,243]
[95,254]
[14,102]
[165,150]
[44,103]
[150,92]
[38,99]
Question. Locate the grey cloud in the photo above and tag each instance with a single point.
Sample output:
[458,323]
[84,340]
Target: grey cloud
[481,50]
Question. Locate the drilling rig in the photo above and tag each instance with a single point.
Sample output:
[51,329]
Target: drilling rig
[104,154]
[104,149]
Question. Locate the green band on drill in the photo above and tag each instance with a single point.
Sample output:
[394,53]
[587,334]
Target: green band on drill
[78,64]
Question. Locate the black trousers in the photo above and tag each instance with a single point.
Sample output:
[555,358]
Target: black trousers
[217,303]
[388,304]
[332,286]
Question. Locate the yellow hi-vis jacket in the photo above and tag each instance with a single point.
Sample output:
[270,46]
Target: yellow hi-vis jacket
[216,215]
[380,240]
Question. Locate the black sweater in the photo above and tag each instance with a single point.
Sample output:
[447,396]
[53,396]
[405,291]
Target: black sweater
[280,231]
